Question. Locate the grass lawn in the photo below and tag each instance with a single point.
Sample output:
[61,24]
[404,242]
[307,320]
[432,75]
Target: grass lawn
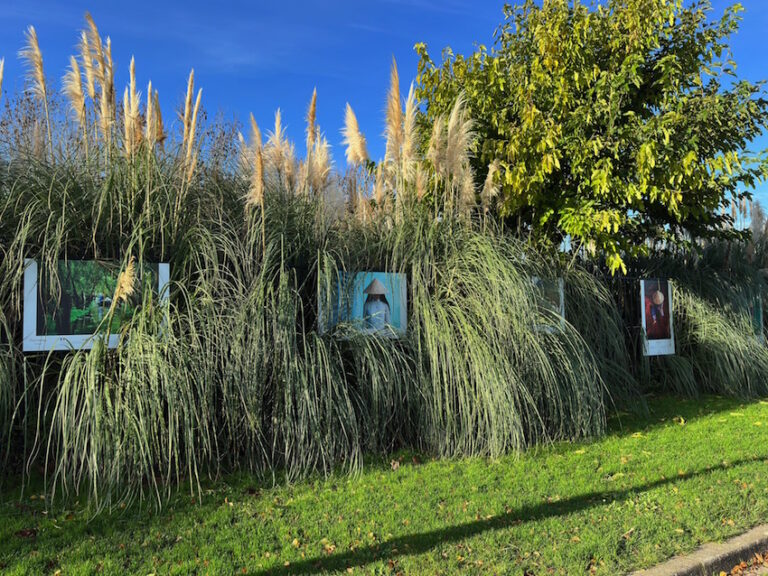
[690,472]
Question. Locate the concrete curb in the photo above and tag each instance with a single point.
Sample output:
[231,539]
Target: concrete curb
[713,558]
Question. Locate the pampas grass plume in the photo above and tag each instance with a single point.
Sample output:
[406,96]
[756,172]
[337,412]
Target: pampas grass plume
[34,59]
[436,150]
[357,152]
[135,98]
[190,137]
[150,128]
[73,89]
[394,130]
[379,192]
[276,139]
[320,163]
[421,182]
[467,195]
[87,58]
[490,188]
[458,139]
[126,283]
[127,123]
[410,135]
[311,121]
[94,40]
[255,134]
[159,128]
[280,155]
[255,152]
[109,79]
[188,104]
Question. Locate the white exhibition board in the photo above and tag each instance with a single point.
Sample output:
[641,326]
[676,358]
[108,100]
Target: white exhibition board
[33,341]
[657,317]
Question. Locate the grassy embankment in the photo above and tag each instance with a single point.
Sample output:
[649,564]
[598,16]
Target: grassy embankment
[690,472]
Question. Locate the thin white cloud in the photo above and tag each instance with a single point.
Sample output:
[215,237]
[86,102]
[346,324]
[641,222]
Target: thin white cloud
[440,6]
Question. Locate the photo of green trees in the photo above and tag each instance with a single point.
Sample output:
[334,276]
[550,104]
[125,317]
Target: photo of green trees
[80,301]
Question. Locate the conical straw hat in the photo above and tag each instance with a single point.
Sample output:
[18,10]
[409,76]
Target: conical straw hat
[658,297]
[375,287]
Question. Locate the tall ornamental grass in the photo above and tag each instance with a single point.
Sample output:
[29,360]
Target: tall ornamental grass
[237,370]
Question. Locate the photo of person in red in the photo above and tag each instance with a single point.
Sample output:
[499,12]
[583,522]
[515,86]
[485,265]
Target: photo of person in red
[657,310]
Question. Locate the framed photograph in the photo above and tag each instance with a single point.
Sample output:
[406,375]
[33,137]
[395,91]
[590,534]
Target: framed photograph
[657,317]
[551,297]
[370,302]
[80,306]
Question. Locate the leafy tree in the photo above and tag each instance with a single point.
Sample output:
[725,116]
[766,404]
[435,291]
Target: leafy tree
[614,123]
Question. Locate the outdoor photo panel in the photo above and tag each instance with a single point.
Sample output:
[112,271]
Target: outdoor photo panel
[656,309]
[370,302]
[65,312]
[551,297]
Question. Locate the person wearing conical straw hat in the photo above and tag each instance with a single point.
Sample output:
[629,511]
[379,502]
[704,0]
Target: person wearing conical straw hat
[376,313]
[656,312]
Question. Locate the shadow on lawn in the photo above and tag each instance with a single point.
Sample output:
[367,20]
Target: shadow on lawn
[413,544]
[661,409]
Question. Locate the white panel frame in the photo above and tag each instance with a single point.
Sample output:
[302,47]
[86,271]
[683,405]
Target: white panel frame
[34,342]
[663,347]
[551,328]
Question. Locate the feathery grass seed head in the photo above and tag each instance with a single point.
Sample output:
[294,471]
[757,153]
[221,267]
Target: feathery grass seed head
[357,152]
[34,59]
[73,90]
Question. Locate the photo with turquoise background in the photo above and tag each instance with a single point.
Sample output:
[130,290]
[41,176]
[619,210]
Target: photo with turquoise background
[372,302]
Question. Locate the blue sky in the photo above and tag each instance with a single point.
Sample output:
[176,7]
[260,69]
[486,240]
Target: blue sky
[258,56]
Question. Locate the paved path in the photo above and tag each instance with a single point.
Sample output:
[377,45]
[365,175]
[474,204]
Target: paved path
[717,558]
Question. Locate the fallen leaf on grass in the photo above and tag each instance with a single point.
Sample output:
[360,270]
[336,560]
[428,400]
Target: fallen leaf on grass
[328,548]
[26,533]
